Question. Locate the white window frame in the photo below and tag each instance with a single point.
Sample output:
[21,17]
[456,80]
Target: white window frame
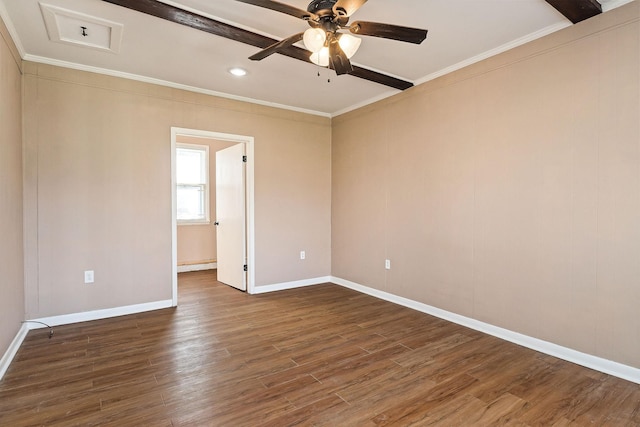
[206,184]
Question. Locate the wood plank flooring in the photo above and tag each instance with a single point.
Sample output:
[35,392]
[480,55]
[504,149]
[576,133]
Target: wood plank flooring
[322,355]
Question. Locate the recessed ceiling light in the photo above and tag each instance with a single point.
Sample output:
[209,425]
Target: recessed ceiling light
[238,71]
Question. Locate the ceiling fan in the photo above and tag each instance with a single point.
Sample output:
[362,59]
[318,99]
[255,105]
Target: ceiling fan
[328,45]
[188,18]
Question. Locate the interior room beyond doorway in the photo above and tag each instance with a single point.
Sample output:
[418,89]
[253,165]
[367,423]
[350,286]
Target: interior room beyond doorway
[197,241]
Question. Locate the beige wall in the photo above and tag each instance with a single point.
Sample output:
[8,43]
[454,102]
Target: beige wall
[197,242]
[11,246]
[97,183]
[508,192]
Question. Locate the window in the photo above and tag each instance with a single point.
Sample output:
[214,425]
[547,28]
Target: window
[192,179]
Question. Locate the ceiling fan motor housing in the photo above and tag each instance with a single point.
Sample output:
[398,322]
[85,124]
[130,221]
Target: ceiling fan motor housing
[322,7]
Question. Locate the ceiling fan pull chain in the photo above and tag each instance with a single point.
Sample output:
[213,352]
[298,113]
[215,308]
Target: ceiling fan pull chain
[328,71]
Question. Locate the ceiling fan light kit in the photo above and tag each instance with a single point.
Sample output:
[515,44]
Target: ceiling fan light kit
[349,44]
[321,58]
[328,46]
[314,39]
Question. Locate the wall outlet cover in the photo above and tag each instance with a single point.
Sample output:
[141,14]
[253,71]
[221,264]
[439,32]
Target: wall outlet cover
[88,276]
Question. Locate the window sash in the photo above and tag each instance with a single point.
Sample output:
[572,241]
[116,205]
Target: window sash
[192,198]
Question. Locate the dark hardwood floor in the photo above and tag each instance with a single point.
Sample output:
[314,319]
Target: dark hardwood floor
[322,355]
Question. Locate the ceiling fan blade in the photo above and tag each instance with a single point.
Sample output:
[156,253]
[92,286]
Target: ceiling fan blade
[388,31]
[338,59]
[347,7]
[276,47]
[282,8]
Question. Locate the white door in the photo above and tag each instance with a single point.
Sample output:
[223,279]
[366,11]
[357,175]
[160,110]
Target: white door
[230,216]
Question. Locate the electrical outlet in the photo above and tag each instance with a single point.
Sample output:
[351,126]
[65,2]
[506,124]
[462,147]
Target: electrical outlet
[303,255]
[387,264]
[88,276]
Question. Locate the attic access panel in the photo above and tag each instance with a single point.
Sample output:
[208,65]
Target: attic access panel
[75,28]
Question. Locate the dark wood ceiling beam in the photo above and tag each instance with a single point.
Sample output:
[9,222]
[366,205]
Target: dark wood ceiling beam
[203,23]
[577,10]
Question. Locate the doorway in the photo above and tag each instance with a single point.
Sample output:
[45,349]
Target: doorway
[248,145]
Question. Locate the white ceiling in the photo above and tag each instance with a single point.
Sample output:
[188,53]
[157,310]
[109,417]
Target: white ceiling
[460,32]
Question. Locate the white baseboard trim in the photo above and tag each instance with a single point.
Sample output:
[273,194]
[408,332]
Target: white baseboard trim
[290,285]
[197,267]
[619,370]
[8,356]
[87,316]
